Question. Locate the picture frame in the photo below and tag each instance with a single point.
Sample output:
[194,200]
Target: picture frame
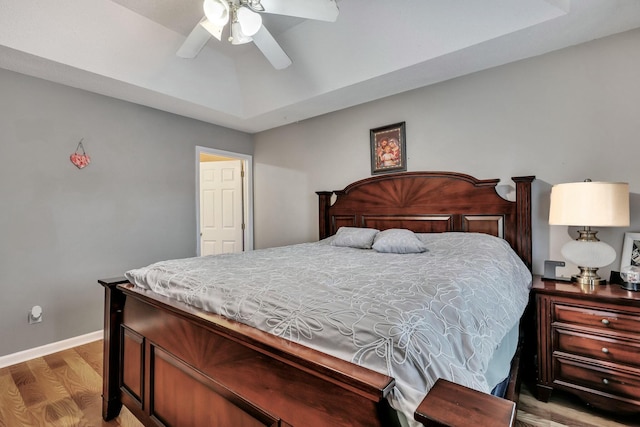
[388,149]
[630,250]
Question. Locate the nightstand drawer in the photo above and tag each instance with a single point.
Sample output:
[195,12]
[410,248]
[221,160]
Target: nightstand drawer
[589,344]
[597,318]
[599,347]
[604,379]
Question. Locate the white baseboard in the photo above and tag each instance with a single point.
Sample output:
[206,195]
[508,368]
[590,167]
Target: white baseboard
[54,347]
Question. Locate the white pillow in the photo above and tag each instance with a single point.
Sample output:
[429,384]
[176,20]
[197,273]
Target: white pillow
[398,241]
[355,237]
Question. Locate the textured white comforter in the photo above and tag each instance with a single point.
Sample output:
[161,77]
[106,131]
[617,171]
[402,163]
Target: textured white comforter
[414,317]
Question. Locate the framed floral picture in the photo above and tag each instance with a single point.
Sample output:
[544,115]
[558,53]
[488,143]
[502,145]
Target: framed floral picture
[388,149]
[630,250]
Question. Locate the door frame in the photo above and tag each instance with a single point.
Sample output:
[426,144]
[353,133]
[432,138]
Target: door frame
[247,192]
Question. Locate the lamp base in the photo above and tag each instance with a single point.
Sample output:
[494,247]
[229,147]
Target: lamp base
[587,249]
[588,277]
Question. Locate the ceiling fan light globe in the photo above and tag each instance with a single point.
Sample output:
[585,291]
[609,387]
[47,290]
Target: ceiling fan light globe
[250,21]
[216,11]
[237,36]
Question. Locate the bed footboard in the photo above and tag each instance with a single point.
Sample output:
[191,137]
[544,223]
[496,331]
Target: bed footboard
[171,365]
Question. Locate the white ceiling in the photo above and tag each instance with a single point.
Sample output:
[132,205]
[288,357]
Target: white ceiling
[126,49]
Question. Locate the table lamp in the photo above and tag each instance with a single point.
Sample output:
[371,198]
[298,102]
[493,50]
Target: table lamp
[589,204]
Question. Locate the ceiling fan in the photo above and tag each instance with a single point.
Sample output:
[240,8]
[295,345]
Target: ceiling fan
[246,24]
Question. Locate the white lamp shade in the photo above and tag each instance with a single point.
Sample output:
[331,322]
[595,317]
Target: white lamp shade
[216,11]
[590,204]
[237,36]
[250,21]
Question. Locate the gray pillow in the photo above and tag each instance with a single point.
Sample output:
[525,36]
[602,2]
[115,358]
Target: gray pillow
[398,241]
[354,237]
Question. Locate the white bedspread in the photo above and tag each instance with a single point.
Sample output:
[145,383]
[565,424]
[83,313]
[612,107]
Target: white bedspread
[414,317]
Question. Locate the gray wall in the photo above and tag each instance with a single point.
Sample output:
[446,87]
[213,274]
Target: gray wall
[564,116]
[62,228]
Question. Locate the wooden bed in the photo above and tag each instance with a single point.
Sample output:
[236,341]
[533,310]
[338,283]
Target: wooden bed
[172,364]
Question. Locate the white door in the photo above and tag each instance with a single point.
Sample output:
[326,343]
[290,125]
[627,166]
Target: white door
[221,216]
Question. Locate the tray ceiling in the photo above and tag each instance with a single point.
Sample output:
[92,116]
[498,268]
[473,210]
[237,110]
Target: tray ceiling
[126,49]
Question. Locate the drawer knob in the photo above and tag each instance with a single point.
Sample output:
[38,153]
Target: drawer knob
[605,381]
[605,321]
[605,350]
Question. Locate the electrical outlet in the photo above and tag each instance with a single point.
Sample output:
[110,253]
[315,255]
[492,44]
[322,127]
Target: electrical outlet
[34,315]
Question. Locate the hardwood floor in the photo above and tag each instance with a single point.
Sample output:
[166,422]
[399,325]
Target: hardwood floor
[564,409]
[63,390]
[60,390]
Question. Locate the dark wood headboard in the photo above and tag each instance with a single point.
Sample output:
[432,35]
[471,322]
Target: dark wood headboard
[432,202]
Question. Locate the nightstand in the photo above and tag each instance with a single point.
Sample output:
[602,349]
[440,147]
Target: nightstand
[589,343]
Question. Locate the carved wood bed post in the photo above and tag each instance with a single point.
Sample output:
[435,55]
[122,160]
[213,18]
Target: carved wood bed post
[324,200]
[523,206]
[113,306]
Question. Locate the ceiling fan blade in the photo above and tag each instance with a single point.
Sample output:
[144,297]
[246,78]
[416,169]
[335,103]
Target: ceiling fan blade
[195,41]
[321,10]
[214,29]
[271,49]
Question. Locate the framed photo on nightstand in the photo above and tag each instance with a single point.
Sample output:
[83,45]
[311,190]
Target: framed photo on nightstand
[630,250]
